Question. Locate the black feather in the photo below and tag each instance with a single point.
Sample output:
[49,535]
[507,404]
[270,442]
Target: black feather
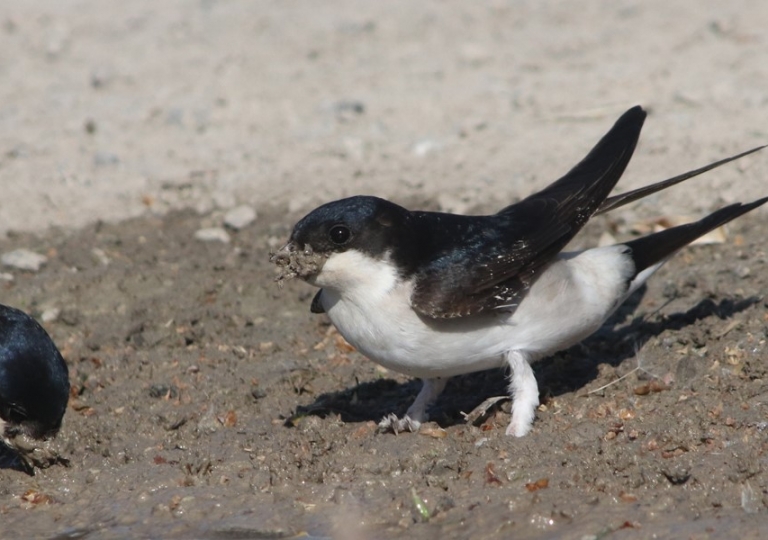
[34,379]
[509,248]
[656,247]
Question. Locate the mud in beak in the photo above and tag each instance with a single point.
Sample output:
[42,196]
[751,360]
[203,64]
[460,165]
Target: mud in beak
[294,262]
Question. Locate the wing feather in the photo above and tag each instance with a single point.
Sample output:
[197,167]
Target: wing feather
[491,261]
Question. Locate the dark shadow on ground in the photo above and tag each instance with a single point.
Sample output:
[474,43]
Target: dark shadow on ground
[612,345]
[563,372]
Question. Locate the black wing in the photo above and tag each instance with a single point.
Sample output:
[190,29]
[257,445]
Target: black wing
[496,258]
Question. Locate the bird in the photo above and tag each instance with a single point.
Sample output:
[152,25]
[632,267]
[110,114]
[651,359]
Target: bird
[34,379]
[434,295]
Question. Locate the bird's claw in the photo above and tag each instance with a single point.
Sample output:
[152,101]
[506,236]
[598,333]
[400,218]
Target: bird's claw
[396,425]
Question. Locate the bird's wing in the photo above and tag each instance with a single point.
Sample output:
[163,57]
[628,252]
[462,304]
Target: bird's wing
[496,258]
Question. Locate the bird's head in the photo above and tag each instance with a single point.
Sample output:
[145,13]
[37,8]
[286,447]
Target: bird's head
[360,225]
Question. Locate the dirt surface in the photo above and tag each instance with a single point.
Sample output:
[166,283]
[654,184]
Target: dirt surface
[208,402]
[110,109]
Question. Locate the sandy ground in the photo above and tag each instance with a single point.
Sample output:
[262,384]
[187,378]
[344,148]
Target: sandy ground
[209,403]
[110,108]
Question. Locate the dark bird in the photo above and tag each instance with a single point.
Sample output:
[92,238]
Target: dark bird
[34,379]
[434,295]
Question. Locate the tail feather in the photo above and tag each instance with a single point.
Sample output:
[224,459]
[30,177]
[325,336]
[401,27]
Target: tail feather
[654,248]
[630,196]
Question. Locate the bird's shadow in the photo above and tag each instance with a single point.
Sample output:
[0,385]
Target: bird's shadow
[567,371]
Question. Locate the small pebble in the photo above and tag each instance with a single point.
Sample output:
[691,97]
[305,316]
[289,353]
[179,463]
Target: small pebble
[208,421]
[23,259]
[100,256]
[239,217]
[424,147]
[50,314]
[213,234]
[742,272]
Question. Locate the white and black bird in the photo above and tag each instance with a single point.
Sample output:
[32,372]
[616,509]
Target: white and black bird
[34,379]
[433,295]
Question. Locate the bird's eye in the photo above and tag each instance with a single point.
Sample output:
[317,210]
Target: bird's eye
[339,234]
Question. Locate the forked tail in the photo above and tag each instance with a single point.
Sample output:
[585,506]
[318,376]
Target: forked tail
[654,248]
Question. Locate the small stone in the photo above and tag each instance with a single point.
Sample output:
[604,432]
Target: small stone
[239,217]
[23,259]
[5,276]
[742,272]
[101,256]
[91,476]
[208,421]
[424,147]
[50,314]
[676,474]
[213,234]
[163,391]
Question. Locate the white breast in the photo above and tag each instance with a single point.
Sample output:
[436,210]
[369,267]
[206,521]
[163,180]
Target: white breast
[370,306]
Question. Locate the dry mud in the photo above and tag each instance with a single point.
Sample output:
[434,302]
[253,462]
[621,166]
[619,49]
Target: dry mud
[207,402]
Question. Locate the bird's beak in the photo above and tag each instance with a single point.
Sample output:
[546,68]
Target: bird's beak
[282,257]
[296,262]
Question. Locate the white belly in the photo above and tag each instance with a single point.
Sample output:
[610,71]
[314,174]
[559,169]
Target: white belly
[370,307]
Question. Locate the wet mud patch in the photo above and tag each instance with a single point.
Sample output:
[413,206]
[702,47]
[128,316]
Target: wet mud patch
[208,402]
